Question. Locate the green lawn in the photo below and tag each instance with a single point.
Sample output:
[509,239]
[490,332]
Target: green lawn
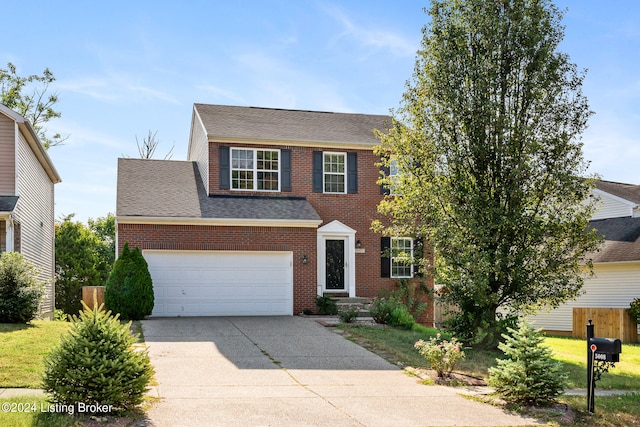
[396,345]
[22,349]
[28,412]
[573,354]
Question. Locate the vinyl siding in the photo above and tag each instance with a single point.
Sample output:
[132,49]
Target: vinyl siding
[34,212]
[613,285]
[7,156]
[199,149]
[611,208]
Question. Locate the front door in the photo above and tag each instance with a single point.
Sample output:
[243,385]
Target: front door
[335,265]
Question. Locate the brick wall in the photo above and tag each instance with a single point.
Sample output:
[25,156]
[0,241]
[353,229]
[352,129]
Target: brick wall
[354,210]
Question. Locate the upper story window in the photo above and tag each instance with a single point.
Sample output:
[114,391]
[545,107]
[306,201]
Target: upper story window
[401,257]
[394,177]
[334,172]
[255,169]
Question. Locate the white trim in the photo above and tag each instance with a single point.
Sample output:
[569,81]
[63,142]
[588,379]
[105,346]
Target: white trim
[291,143]
[412,240]
[255,169]
[241,222]
[344,172]
[614,197]
[335,230]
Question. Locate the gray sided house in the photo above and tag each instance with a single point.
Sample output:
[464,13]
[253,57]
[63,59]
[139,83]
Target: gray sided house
[27,178]
[616,280]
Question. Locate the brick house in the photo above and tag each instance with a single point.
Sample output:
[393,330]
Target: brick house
[27,178]
[272,208]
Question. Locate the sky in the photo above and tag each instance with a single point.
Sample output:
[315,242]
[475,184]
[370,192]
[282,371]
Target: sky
[124,68]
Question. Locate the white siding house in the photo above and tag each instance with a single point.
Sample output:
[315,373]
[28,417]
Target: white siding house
[27,178]
[616,279]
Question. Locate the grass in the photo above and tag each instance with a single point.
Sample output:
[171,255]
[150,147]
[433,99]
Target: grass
[396,345]
[28,412]
[22,349]
[573,355]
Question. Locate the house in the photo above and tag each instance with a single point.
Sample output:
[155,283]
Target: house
[272,208]
[616,279]
[27,178]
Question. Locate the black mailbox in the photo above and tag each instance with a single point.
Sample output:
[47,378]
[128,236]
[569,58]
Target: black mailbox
[606,349]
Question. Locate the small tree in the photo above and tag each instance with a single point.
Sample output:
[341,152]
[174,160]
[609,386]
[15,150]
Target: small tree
[20,289]
[96,364]
[78,263]
[528,374]
[129,289]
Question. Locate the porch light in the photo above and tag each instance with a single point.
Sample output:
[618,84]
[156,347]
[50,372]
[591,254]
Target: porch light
[358,244]
[304,259]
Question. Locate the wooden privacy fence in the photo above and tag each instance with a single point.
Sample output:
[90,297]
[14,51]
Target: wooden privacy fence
[88,293]
[609,323]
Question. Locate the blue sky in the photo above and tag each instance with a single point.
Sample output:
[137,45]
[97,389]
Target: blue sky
[126,67]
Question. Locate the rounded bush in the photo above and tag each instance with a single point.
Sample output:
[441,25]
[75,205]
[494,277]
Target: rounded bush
[129,289]
[20,289]
[96,364]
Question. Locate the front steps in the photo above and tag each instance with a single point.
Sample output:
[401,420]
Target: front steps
[361,303]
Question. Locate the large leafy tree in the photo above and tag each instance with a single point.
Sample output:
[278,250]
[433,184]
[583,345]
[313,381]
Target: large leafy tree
[82,259]
[30,97]
[104,228]
[491,171]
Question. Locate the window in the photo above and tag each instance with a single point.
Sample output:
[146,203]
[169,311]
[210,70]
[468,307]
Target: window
[334,176]
[255,169]
[394,177]
[401,257]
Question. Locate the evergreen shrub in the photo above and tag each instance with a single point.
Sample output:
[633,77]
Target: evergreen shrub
[528,374]
[129,289]
[20,289]
[96,364]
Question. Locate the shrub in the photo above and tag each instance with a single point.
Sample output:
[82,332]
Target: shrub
[60,316]
[348,314]
[96,364]
[326,305]
[412,295]
[528,374]
[634,310]
[401,317]
[20,289]
[129,289]
[380,310]
[441,354]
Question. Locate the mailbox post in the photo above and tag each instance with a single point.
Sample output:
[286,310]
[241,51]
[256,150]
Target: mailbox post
[602,354]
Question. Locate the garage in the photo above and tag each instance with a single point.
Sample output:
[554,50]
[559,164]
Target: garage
[221,283]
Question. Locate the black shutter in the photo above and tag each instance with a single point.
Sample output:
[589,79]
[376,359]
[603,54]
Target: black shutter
[285,170]
[385,260]
[224,168]
[317,171]
[352,173]
[384,188]
[418,255]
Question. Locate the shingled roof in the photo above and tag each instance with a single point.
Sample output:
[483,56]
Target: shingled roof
[270,124]
[628,192]
[165,189]
[621,239]
[8,203]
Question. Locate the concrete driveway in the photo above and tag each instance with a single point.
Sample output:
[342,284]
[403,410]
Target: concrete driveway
[290,371]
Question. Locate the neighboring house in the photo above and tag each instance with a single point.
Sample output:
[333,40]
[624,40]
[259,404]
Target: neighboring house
[27,177]
[616,280]
[271,209]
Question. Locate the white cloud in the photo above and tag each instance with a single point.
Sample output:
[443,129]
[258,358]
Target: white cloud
[373,37]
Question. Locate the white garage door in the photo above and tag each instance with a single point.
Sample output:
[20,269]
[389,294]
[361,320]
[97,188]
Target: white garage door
[199,283]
